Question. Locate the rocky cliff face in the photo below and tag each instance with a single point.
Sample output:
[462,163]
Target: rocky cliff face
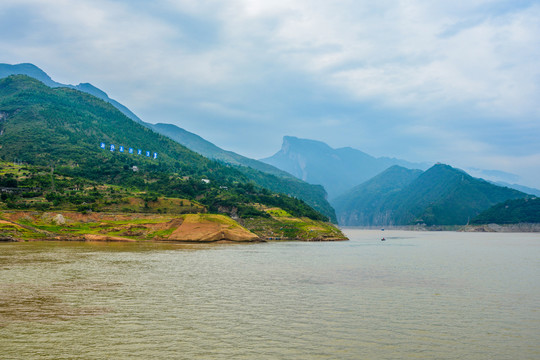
[338,170]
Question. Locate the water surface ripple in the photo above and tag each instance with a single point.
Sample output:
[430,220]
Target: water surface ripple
[418,295]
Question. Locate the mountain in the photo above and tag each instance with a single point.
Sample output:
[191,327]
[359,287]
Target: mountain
[60,130]
[338,170]
[271,178]
[442,195]
[261,173]
[36,73]
[522,188]
[511,212]
[207,149]
[42,124]
[29,70]
[363,204]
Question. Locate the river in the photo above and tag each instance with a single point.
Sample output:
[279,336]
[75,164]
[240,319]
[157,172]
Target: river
[417,295]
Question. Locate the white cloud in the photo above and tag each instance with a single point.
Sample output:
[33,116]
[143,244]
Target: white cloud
[437,67]
[391,52]
[398,56]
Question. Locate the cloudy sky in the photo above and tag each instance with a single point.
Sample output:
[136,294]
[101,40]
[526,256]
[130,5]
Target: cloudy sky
[450,81]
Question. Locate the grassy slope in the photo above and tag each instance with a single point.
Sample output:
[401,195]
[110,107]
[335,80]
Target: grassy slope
[32,225]
[113,200]
[261,173]
[282,226]
[61,129]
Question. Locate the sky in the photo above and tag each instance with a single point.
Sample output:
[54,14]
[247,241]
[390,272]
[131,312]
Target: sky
[456,82]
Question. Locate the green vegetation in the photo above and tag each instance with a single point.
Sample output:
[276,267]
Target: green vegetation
[262,174]
[511,212]
[338,170]
[57,132]
[282,226]
[51,162]
[100,226]
[14,232]
[364,204]
[75,226]
[313,195]
[441,195]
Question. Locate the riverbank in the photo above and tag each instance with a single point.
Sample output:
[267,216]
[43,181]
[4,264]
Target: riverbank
[197,228]
[504,228]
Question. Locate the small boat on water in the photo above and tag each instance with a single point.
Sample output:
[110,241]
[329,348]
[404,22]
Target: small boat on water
[383,239]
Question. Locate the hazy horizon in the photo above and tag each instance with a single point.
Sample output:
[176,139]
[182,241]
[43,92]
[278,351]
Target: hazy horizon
[455,83]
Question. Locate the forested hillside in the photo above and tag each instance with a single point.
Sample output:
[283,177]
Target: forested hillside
[62,129]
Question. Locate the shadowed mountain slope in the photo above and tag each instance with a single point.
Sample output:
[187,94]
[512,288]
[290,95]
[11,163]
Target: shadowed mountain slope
[441,195]
[262,174]
[62,128]
[338,170]
[511,212]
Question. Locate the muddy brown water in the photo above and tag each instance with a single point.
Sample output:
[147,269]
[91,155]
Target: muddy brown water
[419,295]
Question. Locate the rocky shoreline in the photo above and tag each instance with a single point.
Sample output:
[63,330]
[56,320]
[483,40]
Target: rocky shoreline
[508,228]
[504,228]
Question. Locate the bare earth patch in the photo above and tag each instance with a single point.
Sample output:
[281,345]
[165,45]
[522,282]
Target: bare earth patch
[217,228]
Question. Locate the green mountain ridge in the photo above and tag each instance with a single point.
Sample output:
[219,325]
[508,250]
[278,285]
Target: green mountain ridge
[62,128]
[262,174]
[442,195]
[338,170]
[363,204]
[511,212]
[276,180]
[36,73]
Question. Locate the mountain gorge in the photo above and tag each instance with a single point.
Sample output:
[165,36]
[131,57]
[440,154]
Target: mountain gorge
[51,125]
[57,132]
[442,195]
[338,170]
[260,173]
[363,205]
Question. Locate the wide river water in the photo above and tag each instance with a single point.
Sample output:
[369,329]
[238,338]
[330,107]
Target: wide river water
[417,295]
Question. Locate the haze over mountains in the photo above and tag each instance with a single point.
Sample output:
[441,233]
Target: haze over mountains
[369,191]
[441,195]
[338,170]
[365,190]
[59,131]
[262,174]
[36,73]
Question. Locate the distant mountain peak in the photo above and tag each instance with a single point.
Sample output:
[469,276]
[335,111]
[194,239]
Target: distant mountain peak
[338,170]
[91,89]
[291,143]
[441,195]
[36,73]
[29,70]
